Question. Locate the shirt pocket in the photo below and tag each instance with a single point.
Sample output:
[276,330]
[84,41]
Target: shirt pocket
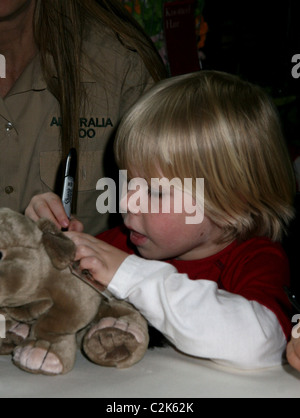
[89,170]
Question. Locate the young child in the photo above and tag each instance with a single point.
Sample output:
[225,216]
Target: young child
[213,288]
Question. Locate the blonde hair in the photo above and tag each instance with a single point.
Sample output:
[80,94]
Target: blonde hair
[59,26]
[215,126]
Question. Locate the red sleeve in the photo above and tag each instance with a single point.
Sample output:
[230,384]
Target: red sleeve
[259,273]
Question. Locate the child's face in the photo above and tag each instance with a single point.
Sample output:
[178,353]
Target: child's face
[162,236]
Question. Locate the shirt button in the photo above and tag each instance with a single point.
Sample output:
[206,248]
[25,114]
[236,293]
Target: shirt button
[9,126]
[9,190]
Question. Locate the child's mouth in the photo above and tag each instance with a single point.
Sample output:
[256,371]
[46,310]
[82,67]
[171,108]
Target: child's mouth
[137,239]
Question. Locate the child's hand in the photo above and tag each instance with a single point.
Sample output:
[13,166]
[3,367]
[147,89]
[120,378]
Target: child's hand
[293,353]
[101,259]
[49,205]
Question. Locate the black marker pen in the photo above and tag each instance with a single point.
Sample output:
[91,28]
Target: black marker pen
[69,181]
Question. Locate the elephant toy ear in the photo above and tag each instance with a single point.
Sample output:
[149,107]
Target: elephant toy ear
[60,249]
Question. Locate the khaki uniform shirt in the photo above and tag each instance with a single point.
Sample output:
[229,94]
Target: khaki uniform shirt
[30,121]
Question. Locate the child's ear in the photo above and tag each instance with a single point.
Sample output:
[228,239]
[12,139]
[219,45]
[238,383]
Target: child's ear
[60,249]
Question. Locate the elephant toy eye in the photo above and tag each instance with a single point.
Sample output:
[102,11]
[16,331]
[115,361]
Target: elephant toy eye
[1,255]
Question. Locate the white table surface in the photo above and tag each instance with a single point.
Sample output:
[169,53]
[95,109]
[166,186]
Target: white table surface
[162,373]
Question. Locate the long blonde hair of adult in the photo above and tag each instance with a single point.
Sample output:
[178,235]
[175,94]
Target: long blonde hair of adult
[59,26]
[214,126]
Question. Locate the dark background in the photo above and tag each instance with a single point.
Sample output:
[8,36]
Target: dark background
[257,39]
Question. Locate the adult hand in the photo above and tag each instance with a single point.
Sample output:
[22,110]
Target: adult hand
[49,205]
[99,258]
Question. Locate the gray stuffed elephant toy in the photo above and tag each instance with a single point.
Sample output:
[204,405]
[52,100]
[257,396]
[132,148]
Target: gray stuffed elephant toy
[49,312]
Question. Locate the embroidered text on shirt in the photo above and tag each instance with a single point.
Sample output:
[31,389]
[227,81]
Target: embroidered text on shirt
[87,126]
